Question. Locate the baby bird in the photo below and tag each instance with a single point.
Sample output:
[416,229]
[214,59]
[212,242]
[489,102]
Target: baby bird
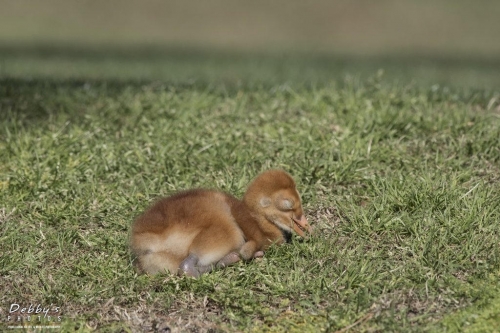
[196,230]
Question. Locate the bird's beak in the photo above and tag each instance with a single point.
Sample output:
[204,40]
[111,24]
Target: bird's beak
[301,226]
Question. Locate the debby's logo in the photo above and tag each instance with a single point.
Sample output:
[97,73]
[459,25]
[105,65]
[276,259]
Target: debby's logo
[25,312]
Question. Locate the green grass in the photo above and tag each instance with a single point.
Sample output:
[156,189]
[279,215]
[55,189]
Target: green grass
[400,180]
[229,69]
[483,316]
[387,115]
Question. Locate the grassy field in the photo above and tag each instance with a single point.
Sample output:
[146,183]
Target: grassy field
[401,183]
[396,156]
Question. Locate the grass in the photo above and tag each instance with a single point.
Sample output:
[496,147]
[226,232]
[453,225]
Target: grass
[398,178]
[483,316]
[387,115]
[442,27]
[233,70]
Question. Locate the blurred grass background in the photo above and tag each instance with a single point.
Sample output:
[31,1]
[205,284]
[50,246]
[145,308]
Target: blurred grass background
[445,42]
[442,27]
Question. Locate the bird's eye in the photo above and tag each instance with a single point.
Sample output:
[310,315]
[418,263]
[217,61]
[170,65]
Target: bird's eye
[285,204]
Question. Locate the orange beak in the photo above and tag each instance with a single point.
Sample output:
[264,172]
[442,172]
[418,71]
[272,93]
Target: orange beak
[301,226]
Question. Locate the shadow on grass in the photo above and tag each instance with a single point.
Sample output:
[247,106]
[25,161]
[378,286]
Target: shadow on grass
[39,80]
[205,67]
[189,54]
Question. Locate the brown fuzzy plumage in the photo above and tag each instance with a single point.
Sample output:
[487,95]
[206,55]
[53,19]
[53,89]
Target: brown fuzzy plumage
[193,231]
